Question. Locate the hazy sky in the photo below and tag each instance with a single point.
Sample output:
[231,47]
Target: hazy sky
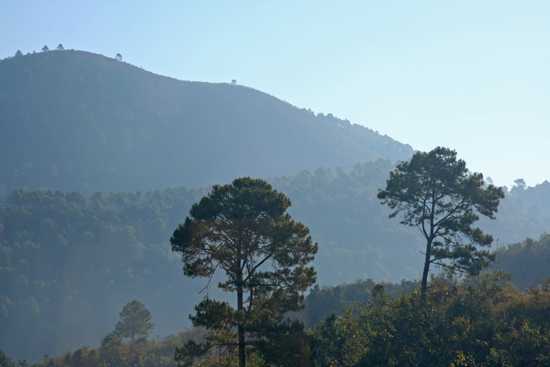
[470,75]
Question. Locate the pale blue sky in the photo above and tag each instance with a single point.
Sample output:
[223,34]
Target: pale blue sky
[469,75]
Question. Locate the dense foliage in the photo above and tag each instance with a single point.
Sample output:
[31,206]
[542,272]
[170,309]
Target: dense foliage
[436,193]
[135,321]
[482,321]
[5,360]
[243,230]
[527,261]
[69,263]
[525,212]
[324,300]
[477,321]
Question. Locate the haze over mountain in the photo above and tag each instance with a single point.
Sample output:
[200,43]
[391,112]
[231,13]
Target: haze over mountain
[74,120]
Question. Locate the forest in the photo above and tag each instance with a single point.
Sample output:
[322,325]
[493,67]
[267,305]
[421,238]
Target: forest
[79,242]
[483,320]
[69,260]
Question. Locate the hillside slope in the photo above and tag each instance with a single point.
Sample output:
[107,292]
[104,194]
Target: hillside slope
[74,120]
[69,262]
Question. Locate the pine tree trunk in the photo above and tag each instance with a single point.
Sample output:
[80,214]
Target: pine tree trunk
[241,347]
[424,284]
[428,258]
[240,327]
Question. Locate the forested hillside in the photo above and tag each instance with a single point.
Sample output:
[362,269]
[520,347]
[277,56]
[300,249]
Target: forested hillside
[93,156]
[70,262]
[526,261]
[481,321]
[78,121]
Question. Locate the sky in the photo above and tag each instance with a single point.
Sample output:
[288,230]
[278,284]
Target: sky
[473,76]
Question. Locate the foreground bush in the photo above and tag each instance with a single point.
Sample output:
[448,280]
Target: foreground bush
[482,321]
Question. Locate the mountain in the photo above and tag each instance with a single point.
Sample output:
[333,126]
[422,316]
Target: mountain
[74,121]
[79,121]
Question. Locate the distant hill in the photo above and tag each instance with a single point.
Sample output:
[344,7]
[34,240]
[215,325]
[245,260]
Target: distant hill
[74,120]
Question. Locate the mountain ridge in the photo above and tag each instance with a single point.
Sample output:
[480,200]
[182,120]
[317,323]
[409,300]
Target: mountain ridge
[75,120]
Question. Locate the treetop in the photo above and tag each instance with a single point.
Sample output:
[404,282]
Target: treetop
[233,201]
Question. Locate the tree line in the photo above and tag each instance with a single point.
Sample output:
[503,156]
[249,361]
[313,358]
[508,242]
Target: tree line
[60,47]
[241,226]
[28,211]
[475,321]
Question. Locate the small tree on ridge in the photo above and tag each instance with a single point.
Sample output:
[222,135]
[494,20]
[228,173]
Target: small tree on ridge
[134,321]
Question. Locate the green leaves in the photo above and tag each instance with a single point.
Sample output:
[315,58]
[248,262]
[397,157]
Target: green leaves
[134,321]
[242,229]
[480,321]
[213,315]
[435,192]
